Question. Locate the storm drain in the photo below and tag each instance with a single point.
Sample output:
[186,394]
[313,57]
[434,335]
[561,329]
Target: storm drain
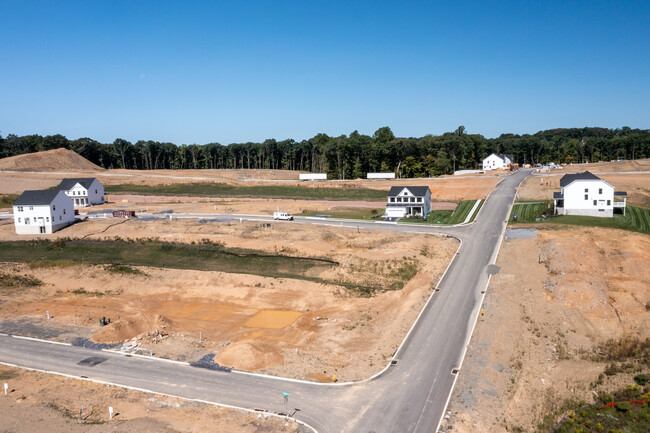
[394,362]
[455,371]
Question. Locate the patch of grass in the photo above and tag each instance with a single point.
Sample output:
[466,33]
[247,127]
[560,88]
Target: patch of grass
[404,272]
[15,281]
[5,375]
[348,213]
[530,212]
[82,291]
[259,191]
[7,200]
[204,256]
[46,263]
[123,269]
[447,216]
[636,219]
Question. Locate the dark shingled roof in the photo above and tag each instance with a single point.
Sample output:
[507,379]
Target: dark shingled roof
[620,193]
[418,191]
[558,196]
[568,178]
[503,156]
[67,184]
[36,198]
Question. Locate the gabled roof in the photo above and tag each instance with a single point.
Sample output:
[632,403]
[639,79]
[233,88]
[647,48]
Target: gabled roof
[557,195]
[36,198]
[569,178]
[503,156]
[418,191]
[67,184]
[620,193]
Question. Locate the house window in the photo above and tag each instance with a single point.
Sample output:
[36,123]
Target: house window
[609,202]
[412,199]
[60,217]
[53,207]
[586,189]
[18,219]
[600,190]
[586,197]
[26,220]
[20,208]
[595,202]
[31,208]
[64,210]
[47,219]
[419,199]
[95,191]
[392,199]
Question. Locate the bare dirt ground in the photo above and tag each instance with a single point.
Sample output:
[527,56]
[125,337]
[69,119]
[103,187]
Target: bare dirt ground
[557,295]
[286,327]
[46,402]
[609,167]
[48,161]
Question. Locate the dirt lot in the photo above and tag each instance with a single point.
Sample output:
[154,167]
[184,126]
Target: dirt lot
[286,327]
[45,402]
[565,291]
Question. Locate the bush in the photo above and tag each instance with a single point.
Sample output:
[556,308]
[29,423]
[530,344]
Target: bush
[641,379]
[623,406]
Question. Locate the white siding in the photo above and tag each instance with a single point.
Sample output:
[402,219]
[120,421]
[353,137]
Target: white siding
[86,197]
[44,218]
[493,162]
[589,197]
[313,176]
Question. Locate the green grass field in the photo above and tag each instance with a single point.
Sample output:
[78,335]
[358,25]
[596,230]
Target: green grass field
[636,218]
[529,212]
[348,213]
[448,216]
[7,200]
[257,191]
[203,256]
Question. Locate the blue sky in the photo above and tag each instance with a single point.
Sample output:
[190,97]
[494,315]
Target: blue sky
[249,70]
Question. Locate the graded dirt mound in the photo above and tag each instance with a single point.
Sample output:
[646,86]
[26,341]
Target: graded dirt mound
[49,160]
[249,355]
[125,329]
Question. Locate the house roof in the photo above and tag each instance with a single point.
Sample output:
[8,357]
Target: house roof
[36,197]
[418,191]
[620,193]
[568,178]
[502,156]
[557,196]
[67,184]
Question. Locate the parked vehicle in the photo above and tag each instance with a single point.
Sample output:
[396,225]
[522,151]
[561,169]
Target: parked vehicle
[282,216]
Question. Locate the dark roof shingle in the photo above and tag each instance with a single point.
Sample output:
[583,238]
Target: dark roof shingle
[418,191]
[36,197]
[568,178]
[67,184]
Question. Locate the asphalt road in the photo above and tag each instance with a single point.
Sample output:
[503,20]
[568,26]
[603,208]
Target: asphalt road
[410,396]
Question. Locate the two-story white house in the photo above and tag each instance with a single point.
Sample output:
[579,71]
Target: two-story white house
[408,200]
[587,194]
[86,191]
[47,211]
[497,161]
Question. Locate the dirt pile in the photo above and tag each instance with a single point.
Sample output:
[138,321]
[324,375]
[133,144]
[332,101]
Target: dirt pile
[126,329]
[49,160]
[249,355]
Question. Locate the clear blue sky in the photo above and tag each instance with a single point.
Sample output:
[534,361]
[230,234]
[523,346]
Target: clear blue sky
[236,71]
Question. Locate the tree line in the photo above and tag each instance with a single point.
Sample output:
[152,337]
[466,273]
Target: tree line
[352,156]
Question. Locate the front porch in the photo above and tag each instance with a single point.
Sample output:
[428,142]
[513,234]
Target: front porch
[620,200]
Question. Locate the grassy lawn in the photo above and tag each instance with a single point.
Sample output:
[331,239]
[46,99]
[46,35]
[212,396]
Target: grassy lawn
[636,218]
[257,191]
[348,213]
[205,256]
[529,212]
[448,216]
[7,200]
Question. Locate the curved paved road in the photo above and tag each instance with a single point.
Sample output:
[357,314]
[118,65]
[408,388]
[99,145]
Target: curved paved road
[410,396]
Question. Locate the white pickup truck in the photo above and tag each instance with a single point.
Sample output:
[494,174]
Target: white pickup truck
[282,216]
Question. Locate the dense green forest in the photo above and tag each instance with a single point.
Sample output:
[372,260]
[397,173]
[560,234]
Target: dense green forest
[354,155]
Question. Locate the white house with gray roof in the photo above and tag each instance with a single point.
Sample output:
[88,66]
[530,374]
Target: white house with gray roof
[497,161]
[587,194]
[408,200]
[86,191]
[42,212]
